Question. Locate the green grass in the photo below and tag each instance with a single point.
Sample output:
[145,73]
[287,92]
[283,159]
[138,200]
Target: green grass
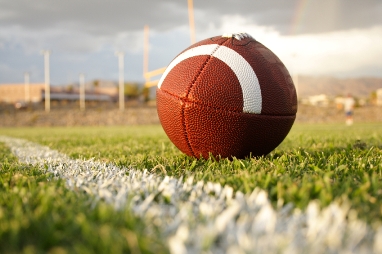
[38,215]
[322,162]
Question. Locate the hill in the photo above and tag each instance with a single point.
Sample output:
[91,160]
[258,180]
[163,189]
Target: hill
[358,87]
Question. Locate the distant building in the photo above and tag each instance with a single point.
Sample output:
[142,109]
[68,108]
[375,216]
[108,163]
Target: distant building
[111,91]
[379,97]
[339,101]
[99,87]
[317,100]
[12,93]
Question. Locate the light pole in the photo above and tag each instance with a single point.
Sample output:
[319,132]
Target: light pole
[295,73]
[46,54]
[82,91]
[296,82]
[120,55]
[27,88]
[146,50]
[191,20]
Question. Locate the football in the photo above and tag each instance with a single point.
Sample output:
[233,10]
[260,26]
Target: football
[226,96]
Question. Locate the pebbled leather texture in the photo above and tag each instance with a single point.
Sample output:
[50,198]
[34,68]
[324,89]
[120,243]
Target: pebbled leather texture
[200,103]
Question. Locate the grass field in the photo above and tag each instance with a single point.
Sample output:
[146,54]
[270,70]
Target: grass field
[327,163]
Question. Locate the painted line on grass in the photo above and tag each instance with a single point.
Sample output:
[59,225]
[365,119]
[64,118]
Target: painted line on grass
[206,217]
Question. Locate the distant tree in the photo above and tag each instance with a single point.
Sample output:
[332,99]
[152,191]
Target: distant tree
[356,104]
[96,83]
[70,88]
[145,93]
[373,97]
[131,90]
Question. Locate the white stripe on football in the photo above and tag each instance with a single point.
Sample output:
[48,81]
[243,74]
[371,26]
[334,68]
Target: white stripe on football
[245,74]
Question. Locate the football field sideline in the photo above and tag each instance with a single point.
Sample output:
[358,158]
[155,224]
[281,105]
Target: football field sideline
[195,217]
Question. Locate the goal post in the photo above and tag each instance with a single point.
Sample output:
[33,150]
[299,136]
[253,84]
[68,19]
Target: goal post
[148,75]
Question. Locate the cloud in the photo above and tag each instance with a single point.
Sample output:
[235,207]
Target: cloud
[94,17]
[70,41]
[112,16]
[87,32]
[332,53]
[88,25]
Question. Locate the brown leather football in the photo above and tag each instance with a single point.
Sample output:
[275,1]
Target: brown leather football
[228,96]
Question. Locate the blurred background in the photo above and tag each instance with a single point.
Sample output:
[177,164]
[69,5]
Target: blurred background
[100,51]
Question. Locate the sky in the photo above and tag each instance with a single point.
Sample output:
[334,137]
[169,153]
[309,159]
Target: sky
[341,38]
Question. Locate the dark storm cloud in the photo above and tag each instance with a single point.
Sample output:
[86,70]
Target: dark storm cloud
[101,17]
[83,34]
[109,17]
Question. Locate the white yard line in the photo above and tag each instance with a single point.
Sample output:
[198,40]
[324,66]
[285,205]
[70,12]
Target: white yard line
[206,217]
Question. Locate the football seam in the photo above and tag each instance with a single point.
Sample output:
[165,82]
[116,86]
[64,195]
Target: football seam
[186,100]
[239,45]
[188,92]
[232,41]
[202,68]
[185,133]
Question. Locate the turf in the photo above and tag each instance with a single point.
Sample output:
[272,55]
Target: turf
[322,162]
[38,215]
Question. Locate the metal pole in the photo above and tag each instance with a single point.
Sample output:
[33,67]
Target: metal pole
[27,87]
[46,54]
[120,55]
[191,20]
[295,74]
[146,50]
[296,83]
[82,91]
